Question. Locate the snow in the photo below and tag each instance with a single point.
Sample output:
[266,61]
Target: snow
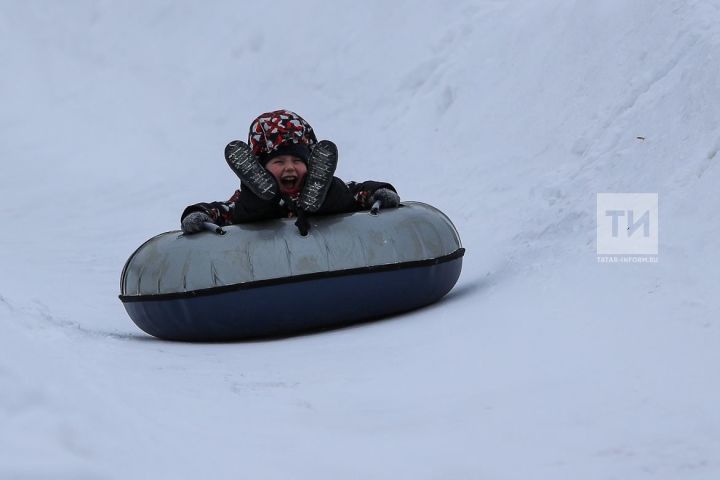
[510,116]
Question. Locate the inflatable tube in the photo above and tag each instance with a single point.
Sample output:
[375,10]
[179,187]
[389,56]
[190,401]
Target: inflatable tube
[263,279]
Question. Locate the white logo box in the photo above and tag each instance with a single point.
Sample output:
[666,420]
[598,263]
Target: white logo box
[627,224]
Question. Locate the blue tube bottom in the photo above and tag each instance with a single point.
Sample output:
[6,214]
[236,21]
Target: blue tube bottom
[292,308]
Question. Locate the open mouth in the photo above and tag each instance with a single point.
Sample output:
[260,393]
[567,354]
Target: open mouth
[289,182]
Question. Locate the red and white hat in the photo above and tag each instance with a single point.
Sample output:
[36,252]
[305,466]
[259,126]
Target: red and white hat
[281,132]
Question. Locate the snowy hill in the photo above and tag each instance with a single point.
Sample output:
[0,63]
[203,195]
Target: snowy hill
[510,116]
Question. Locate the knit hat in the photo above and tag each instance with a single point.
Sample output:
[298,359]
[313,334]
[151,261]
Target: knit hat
[281,132]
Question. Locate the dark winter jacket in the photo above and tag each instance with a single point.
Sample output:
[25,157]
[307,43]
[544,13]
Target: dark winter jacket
[244,206]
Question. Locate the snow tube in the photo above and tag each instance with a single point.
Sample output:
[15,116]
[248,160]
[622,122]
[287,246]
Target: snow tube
[265,280]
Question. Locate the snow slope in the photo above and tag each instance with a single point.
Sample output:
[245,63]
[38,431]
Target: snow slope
[508,115]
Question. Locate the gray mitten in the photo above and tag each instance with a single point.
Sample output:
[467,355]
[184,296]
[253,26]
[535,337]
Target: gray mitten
[387,198]
[193,223]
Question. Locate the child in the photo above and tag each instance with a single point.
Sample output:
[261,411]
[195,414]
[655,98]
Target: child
[285,172]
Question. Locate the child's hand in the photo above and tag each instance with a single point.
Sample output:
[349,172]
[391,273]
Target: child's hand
[193,223]
[386,197]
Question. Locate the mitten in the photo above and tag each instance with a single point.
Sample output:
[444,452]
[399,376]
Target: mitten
[387,198]
[193,223]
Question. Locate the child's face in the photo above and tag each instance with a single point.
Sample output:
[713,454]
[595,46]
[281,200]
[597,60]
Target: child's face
[288,170]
